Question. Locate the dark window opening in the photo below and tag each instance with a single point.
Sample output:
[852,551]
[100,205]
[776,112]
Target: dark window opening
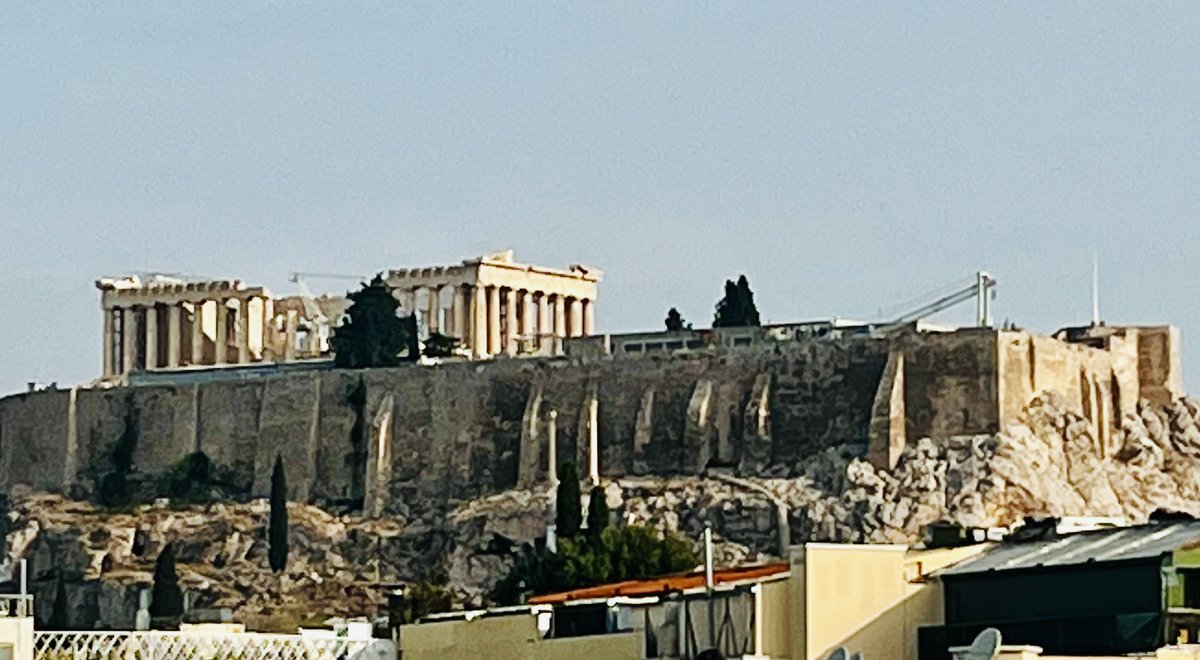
[1191,588]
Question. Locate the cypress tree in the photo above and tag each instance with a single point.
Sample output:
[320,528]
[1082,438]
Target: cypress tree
[59,615]
[728,313]
[746,298]
[277,531]
[597,514]
[373,334]
[737,308]
[167,597]
[568,516]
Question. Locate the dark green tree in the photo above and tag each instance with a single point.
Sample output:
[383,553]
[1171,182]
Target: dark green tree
[639,553]
[59,616]
[568,516]
[277,530]
[166,598]
[621,553]
[597,514]
[373,333]
[736,309]
[750,309]
[113,488]
[535,570]
[440,346]
[674,320]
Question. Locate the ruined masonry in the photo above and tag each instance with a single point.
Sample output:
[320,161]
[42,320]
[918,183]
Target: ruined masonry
[417,434]
[493,304]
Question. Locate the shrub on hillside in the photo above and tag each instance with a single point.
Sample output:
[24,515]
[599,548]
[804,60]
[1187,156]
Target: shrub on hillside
[633,552]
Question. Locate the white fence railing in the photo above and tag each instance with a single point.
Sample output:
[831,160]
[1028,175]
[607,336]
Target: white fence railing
[153,645]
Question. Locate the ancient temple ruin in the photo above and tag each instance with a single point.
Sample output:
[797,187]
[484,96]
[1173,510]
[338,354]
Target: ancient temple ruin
[492,304]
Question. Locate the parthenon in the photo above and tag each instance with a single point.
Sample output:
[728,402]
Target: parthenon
[492,304]
[496,305]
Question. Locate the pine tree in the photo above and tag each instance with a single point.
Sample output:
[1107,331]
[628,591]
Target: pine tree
[674,320]
[737,308]
[746,296]
[167,598]
[277,531]
[568,516]
[59,615]
[597,515]
[373,333]
[727,308]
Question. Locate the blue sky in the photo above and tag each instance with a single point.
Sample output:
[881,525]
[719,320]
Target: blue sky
[844,156]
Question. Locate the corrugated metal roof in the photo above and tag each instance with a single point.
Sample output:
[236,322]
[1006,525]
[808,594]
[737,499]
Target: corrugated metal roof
[1141,542]
[663,585]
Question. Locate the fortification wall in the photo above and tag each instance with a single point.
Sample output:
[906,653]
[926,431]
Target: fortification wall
[1159,364]
[461,430]
[951,383]
[399,439]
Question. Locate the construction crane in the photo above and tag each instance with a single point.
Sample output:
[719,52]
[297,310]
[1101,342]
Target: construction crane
[981,287]
[312,310]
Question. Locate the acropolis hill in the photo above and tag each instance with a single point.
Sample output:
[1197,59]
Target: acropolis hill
[775,435]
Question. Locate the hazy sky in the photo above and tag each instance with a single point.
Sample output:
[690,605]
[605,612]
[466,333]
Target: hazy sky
[845,157]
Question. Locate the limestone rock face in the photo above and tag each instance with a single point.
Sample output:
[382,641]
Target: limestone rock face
[106,558]
[1049,464]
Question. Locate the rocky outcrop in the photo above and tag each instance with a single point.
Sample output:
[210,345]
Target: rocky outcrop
[1050,464]
[106,558]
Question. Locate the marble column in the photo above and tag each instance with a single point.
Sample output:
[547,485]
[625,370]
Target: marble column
[576,320]
[289,335]
[408,301]
[109,341]
[479,317]
[197,333]
[267,345]
[560,316]
[448,320]
[129,341]
[222,333]
[459,314]
[529,315]
[589,318]
[510,321]
[544,326]
[433,310]
[151,337]
[493,320]
[174,335]
[243,331]
[552,449]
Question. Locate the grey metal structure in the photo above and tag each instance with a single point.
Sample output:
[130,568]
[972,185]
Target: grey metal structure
[1141,542]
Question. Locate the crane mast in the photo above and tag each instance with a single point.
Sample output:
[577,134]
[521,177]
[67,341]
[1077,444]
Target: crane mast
[981,288]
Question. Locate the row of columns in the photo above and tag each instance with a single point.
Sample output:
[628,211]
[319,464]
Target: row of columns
[132,332]
[492,319]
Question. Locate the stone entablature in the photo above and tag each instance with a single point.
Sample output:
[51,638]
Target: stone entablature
[495,305]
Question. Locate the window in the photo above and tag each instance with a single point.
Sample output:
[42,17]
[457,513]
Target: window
[581,620]
[1191,587]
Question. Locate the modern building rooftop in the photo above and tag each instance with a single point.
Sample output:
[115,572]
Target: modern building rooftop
[1108,545]
[663,585]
